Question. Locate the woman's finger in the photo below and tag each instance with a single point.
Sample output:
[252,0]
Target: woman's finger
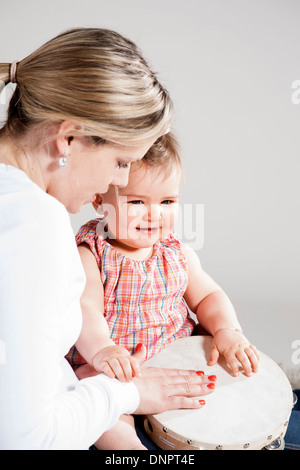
[184,403]
[176,373]
[189,389]
[159,393]
[179,376]
[140,353]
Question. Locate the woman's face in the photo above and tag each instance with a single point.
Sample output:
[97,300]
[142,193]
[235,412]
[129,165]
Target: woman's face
[91,169]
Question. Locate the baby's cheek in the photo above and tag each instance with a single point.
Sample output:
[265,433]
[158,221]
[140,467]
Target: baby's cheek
[168,219]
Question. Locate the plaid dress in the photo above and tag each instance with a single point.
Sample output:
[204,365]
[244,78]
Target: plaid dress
[143,300]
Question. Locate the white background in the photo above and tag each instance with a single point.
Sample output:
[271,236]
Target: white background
[229,66]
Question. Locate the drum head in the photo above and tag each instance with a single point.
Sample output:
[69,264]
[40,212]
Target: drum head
[243,412]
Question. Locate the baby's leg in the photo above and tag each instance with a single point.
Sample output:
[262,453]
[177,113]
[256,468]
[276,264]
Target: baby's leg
[121,437]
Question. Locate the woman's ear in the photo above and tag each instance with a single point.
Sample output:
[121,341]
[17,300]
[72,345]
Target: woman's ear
[65,137]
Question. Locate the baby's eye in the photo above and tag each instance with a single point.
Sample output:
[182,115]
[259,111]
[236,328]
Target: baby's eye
[136,202]
[167,201]
[123,165]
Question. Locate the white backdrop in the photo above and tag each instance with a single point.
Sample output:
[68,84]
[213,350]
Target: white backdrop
[229,66]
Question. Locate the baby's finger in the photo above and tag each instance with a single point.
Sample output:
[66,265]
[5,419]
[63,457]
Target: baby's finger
[136,371]
[233,364]
[253,358]
[214,356]
[125,363]
[244,361]
[117,369]
[253,348]
[106,369]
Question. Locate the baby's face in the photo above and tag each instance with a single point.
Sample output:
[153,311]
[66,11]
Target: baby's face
[146,209]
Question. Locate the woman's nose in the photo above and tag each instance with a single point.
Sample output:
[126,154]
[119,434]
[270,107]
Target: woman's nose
[121,178]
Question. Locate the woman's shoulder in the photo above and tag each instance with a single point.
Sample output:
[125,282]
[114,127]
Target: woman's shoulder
[24,202]
[32,221]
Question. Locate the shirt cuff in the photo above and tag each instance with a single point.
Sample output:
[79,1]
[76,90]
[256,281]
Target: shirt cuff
[123,396]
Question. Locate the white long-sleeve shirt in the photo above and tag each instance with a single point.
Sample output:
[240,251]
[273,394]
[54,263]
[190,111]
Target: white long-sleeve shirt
[42,404]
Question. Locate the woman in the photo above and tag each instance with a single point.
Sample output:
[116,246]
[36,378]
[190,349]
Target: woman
[85,106]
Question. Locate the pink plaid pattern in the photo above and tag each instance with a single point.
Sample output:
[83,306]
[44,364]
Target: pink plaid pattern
[143,299]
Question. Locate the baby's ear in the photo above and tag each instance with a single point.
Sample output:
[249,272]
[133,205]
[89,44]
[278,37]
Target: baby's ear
[97,202]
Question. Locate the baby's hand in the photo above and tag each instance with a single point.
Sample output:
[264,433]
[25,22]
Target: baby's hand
[235,347]
[116,362]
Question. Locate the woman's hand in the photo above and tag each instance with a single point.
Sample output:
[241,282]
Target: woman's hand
[236,349]
[116,362]
[165,389]
[161,389]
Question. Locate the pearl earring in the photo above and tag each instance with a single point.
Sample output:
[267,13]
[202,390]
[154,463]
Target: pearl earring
[62,161]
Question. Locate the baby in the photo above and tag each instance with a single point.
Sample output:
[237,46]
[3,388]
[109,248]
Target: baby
[140,280]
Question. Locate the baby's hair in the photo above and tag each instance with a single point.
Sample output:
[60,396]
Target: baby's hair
[163,156]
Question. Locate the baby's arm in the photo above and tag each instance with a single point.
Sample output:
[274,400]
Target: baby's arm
[216,314]
[94,342]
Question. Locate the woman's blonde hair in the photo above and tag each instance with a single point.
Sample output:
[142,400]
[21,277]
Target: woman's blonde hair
[92,76]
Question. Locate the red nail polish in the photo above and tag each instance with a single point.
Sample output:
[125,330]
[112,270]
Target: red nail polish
[202,402]
[213,378]
[200,372]
[211,385]
[138,347]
